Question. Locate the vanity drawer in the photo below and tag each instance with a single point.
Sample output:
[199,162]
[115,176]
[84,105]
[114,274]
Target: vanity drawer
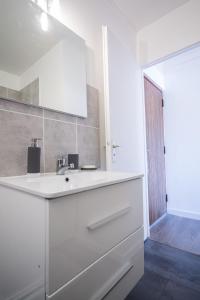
[125,260]
[84,226]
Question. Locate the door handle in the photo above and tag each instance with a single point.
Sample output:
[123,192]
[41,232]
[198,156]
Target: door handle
[114,146]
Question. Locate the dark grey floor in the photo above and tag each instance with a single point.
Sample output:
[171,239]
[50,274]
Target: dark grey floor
[170,274]
[178,232]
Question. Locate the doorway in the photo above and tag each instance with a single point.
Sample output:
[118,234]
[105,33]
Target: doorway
[155,150]
[179,79]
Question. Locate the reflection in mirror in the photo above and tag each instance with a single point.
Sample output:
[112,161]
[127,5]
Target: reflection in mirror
[42,62]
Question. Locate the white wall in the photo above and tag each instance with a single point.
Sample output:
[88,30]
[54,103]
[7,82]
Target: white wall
[182,125]
[86,19]
[173,32]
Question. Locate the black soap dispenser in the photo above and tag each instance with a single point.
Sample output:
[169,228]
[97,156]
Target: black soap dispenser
[34,153]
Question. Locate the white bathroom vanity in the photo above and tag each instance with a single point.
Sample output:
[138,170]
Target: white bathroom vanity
[80,239]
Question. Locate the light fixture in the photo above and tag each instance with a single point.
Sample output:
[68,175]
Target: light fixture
[44,21]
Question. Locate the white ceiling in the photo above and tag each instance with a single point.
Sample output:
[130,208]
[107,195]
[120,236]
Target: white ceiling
[141,13]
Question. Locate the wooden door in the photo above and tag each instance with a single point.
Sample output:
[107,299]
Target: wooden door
[155,150]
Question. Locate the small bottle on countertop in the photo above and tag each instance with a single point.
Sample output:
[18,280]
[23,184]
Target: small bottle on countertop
[34,153]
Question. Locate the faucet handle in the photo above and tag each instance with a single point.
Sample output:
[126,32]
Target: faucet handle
[61,162]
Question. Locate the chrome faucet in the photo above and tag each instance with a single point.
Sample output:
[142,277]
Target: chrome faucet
[62,166]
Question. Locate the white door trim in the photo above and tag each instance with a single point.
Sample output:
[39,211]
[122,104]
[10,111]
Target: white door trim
[108,145]
[145,181]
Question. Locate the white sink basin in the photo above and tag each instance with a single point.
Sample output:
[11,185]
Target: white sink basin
[53,186]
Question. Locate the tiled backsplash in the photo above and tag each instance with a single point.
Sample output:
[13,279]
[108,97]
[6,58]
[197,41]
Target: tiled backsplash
[61,134]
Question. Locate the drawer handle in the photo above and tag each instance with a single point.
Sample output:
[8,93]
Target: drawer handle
[108,218]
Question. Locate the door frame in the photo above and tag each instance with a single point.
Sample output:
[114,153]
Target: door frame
[108,143]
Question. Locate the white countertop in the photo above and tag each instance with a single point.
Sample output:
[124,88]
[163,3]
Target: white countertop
[53,186]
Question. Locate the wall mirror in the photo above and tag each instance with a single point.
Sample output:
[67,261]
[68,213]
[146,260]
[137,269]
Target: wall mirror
[42,62]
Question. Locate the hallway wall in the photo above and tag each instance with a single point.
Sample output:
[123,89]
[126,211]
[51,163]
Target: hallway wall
[182,128]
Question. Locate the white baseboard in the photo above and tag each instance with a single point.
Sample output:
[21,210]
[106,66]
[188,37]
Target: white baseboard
[184,213]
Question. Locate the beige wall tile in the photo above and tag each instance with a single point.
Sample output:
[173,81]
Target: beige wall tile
[92,108]
[12,94]
[50,114]
[26,94]
[19,123]
[35,92]
[16,131]
[88,145]
[60,139]
[20,107]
